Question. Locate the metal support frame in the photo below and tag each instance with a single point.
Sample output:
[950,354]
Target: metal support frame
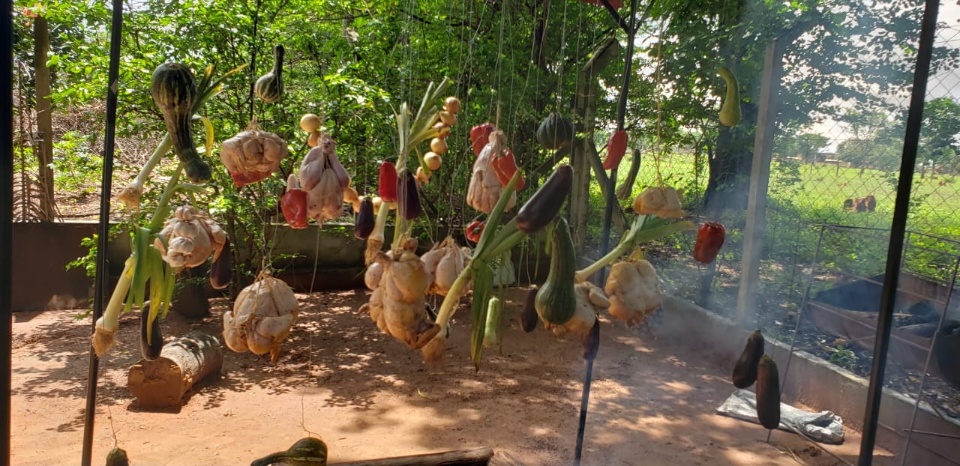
[888,295]
[104,230]
[6,221]
[816,268]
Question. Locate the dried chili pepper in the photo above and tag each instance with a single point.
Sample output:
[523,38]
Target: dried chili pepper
[388,182]
[474,230]
[505,165]
[480,135]
[616,148]
[709,241]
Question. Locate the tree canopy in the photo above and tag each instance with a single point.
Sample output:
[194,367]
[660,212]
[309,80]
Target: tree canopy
[512,62]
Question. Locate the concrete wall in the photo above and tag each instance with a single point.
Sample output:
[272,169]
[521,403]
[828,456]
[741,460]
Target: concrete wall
[816,384]
[42,251]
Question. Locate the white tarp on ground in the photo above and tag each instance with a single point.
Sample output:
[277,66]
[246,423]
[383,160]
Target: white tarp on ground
[824,426]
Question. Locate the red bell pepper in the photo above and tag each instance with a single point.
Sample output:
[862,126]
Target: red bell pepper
[709,241]
[294,207]
[388,182]
[616,148]
[474,230]
[480,136]
[505,165]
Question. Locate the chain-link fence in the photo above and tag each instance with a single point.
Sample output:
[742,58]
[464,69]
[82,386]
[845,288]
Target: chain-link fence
[830,203]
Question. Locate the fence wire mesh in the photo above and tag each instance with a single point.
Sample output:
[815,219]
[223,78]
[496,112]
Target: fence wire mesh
[834,184]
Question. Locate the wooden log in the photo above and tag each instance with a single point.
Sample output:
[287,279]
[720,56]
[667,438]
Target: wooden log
[502,458]
[182,363]
[472,457]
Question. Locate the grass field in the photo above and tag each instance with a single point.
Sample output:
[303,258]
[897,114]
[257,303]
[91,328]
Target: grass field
[804,196]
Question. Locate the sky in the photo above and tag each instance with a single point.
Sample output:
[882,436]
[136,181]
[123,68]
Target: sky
[940,85]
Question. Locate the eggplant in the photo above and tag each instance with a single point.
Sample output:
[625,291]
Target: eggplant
[363,226]
[768,393]
[745,371]
[149,349]
[544,205]
[408,197]
[221,270]
[528,316]
[591,342]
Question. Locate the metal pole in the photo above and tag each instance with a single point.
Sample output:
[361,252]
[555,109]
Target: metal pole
[895,249]
[584,403]
[607,217]
[104,229]
[6,219]
[621,116]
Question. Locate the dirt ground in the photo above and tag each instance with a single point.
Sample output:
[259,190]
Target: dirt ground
[652,402]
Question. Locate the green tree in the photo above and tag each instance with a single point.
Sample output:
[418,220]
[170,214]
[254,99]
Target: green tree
[805,146]
[941,127]
[693,38]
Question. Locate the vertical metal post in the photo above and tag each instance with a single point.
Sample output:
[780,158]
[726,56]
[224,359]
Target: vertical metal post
[6,220]
[104,230]
[621,116]
[888,295]
[608,217]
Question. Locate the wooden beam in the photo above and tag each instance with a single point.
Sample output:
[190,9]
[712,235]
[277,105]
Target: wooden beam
[475,456]
[585,107]
[759,182]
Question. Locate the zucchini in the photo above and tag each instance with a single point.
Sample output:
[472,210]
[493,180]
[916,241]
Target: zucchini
[556,301]
[117,457]
[491,335]
[308,451]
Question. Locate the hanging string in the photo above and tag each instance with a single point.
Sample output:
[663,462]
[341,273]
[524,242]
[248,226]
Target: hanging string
[657,96]
[462,92]
[498,66]
[563,48]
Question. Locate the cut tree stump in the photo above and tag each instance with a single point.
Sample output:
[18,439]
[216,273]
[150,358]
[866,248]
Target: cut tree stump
[161,383]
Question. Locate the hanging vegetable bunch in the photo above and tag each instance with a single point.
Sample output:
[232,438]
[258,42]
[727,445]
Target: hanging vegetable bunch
[494,167]
[400,280]
[163,246]
[495,241]
[632,286]
[252,155]
[322,184]
[261,318]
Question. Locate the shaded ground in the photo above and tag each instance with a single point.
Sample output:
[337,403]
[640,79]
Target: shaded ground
[778,309]
[367,396]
